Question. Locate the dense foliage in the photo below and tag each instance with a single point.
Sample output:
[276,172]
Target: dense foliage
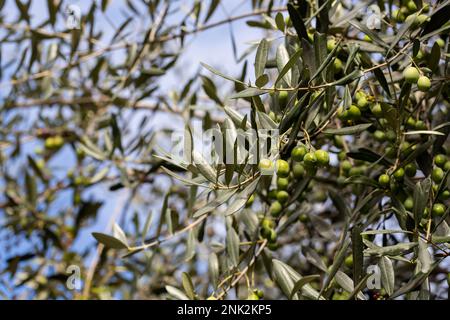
[353,95]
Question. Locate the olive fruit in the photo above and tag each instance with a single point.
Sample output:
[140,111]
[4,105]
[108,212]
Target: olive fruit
[410,122]
[282,196]
[411,74]
[298,170]
[282,168]
[331,44]
[362,103]
[349,261]
[440,42]
[384,180]
[266,165]
[411,5]
[398,15]
[323,158]
[440,160]
[410,170]
[310,159]
[438,210]
[447,166]
[303,218]
[253,296]
[379,135]
[298,153]
[399,174]
[283,98]
[276,208]
[267,223]
[346,165]
[337,65]
[437,175]
[353,112]
[420,125]
[259,293]
[376,110]
[424,83]
[282,183]
[409,203]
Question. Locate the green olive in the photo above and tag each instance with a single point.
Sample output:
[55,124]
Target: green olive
[384,180]
[438,210]
[282,183]
[282,168]
[437,175]
[298,153]
[310,159]
[411,74]
[424,83]
[298,170]
[399,174]
[282,196]
[323,158]
[276,208]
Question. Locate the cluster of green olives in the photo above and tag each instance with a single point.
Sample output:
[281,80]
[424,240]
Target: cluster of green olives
[360,104]
[412,76]
[408,11]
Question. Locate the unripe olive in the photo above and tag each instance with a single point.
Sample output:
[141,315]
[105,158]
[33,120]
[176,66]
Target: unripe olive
[424,83]
[410,122]
[282,168]
[323,158]
[346,165]
[391,135]
[362,103]
[282,196]
[49,144]
[275,208]
[437,175]
[303,218]
[342,155]
[445,195]
[337,65]
[338,141]
[384,180]
[409,203]
[379,135]
[310,159]
[267,223]
[282,183]
[298,170]
[438,210]
[420,125]
[266,165]
[283,98]
[252,296]
[398,15]
[331,44]
[58,141]
[353,112]
[440,42]
[447,166]
[259,293]
[273,194]
[272,246]
[273,236]
[265,232]
[411,74]
[298,153]
[411,5]
[440,160]
[349,261]
[376,110]
[273,116]
[410,170]
[399,174]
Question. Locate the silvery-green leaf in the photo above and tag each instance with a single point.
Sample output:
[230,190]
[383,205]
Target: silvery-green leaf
[387,274]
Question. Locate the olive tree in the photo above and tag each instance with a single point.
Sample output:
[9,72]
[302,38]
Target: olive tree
[320,171]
